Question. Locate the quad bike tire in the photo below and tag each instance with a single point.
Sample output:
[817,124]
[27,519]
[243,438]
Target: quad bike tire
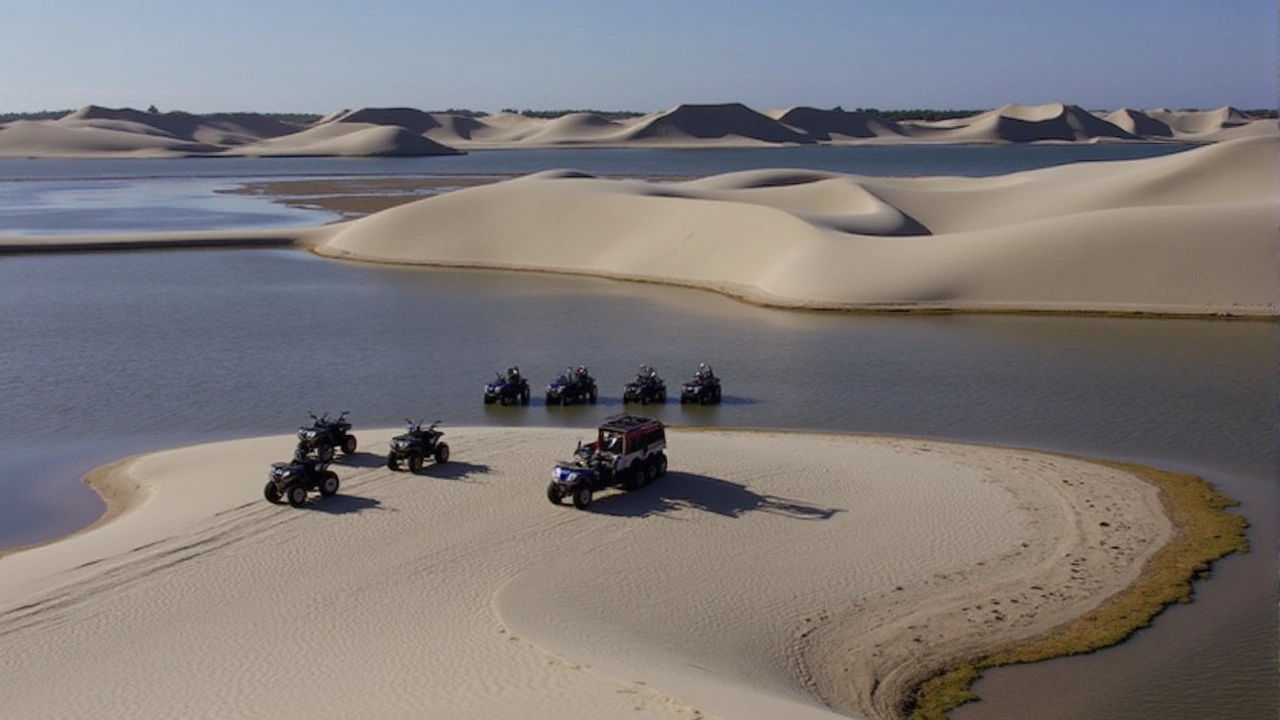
[442,453]
[393,461]
[524,396]
[415,462]
[553,494]
[591,396]
[329,484]
[349,445]
[582,496]
[272,493]
[324,450]
[296,494]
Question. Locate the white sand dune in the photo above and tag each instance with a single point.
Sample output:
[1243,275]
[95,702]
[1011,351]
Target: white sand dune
[1190,233]
[726,589]
[346,139]
[1023,123]
[43,139]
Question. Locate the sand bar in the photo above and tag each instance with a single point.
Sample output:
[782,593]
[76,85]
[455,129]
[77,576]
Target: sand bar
[769,575]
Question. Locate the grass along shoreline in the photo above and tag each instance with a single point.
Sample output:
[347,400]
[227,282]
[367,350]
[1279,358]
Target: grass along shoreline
[1203,532]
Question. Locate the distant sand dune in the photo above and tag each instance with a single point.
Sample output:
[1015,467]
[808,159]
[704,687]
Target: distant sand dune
[732,121]
[838,124]
[687,125]
[1190,233]
[347,139]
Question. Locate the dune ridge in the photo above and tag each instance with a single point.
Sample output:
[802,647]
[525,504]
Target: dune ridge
[1192,233]
[726,589]
[94,131]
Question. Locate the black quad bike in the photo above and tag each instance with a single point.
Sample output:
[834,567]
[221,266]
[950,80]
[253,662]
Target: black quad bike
[646,388]
[573,386]
[507,389]
[324,434]
[294,479]
[703,389]
[416,445]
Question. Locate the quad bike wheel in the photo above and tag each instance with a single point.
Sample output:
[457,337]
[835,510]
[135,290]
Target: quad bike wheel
[591,397]
[324,450]
[329,484]
[393,461]
[524,396]
[582,496]
[296,494]
[553,494]
[415,462]
[272,493]
[349,445]
[442,453]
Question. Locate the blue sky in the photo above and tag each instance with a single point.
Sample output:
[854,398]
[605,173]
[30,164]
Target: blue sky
[318,56]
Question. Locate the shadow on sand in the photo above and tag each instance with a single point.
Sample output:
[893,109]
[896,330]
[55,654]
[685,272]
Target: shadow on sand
[687,491]
[361,459]
[455,470]
[342,504]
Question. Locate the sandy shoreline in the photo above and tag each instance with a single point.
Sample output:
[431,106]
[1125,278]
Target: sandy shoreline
[769,575]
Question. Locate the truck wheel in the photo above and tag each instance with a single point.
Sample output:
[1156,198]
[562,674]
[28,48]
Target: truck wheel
[415,461]
[442,453]
[297,495]
[393,461]
[324,450]
[633,477]
[349,445]
[272,493]
[553,494]
[661,464]
[329,484]
[582,496]
[651,471]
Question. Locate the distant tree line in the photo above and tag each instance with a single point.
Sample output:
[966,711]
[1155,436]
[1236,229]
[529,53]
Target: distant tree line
[40,115]
[547,114]
[916,114]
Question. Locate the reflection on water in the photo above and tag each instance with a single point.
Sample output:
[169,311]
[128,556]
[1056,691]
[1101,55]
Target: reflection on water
[115,354]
